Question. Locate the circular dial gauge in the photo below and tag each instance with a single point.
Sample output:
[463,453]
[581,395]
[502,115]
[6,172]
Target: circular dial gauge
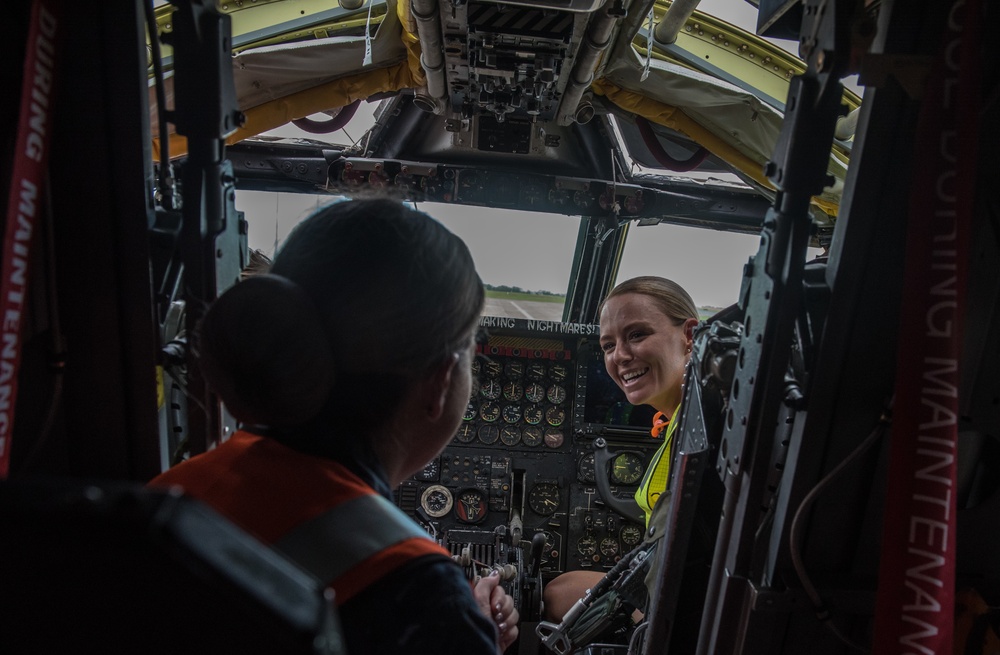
[535,393]
[470,506]
[536,371]
[490,389]
[470,412]
[559,196]
[585,469]
[476,367]
[631,535]
[510,435]
[431,472]
[489,434]
[436,501]
[587,545]
[553,438]
[514,369]
[626,468]
[544,499]
[609,547]
[466,433]
[558,372]
[532,436]
[550,543]
[474,390]
[492,369]
[490,411]
[513,391]
[556,394]
[532,414]
[555,416]
[512,413]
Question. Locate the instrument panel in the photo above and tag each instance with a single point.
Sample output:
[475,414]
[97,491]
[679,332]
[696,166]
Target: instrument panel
[518,482]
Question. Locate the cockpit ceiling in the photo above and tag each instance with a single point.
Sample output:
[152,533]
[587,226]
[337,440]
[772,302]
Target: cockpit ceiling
[515,84]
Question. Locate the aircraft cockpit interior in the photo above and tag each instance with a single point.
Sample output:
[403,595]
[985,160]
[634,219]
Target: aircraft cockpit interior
[815,172]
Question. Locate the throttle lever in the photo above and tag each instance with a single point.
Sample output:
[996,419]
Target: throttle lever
[627,508]
[537,544]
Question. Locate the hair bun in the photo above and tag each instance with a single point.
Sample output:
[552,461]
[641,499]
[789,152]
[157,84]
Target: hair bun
[262,347]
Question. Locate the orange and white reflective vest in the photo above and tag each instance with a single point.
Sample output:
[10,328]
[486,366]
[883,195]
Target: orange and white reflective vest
[314,510]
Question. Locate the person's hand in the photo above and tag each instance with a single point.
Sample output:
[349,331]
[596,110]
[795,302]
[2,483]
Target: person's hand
[494,602]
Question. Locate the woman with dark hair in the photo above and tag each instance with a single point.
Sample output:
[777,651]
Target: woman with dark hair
[647,330]
[349,368]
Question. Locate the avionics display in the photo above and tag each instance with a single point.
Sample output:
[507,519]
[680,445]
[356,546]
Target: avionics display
[605,404]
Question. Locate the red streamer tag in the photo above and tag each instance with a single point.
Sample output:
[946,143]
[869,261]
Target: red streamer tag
[23,204]
[914,608]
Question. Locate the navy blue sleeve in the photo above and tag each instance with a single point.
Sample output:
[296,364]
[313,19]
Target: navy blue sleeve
[424,608]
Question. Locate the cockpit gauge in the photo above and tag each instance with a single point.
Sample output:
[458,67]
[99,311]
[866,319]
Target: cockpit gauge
[510,435]
[436,500]
[584,201]
[544,499]
[532,414]
[585,469]
[513,391]
[631,535]
[535,393]
[626,468]
[490,411]
[470,412]
[556,394]
[470,506]
[553,438]
[512,413]
[550,551]
[492,369]
[586,545]
[476,367]
[536,371]
[466,433]
[514,370]
[550,542]
[532,436]
[431,472]
[559,197]
[489,434]
[474,391]
[555,416]
[432,185]
[532,194]
[609,547]
[490,389]
[558,372]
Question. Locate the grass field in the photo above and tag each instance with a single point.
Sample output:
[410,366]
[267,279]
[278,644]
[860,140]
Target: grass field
[703,312]
[538,297]
[708,312]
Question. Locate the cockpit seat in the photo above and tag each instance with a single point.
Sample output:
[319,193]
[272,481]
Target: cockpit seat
[124,568]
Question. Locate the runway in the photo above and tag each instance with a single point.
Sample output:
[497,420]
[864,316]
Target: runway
[529,309]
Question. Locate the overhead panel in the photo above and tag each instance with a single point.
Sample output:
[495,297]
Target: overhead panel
[508,59]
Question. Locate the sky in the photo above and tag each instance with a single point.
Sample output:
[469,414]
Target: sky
[535,251]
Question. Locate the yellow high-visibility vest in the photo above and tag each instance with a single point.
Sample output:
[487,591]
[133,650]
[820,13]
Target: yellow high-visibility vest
[654,482]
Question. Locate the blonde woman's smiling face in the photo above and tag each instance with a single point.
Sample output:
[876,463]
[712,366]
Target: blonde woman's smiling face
[644,351]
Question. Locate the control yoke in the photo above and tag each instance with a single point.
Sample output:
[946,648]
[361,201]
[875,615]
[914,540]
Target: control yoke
[627,507]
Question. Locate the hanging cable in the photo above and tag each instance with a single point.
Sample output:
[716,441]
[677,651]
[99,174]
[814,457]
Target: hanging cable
[661,155]
[635,642]
[336,122]
[795,534]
